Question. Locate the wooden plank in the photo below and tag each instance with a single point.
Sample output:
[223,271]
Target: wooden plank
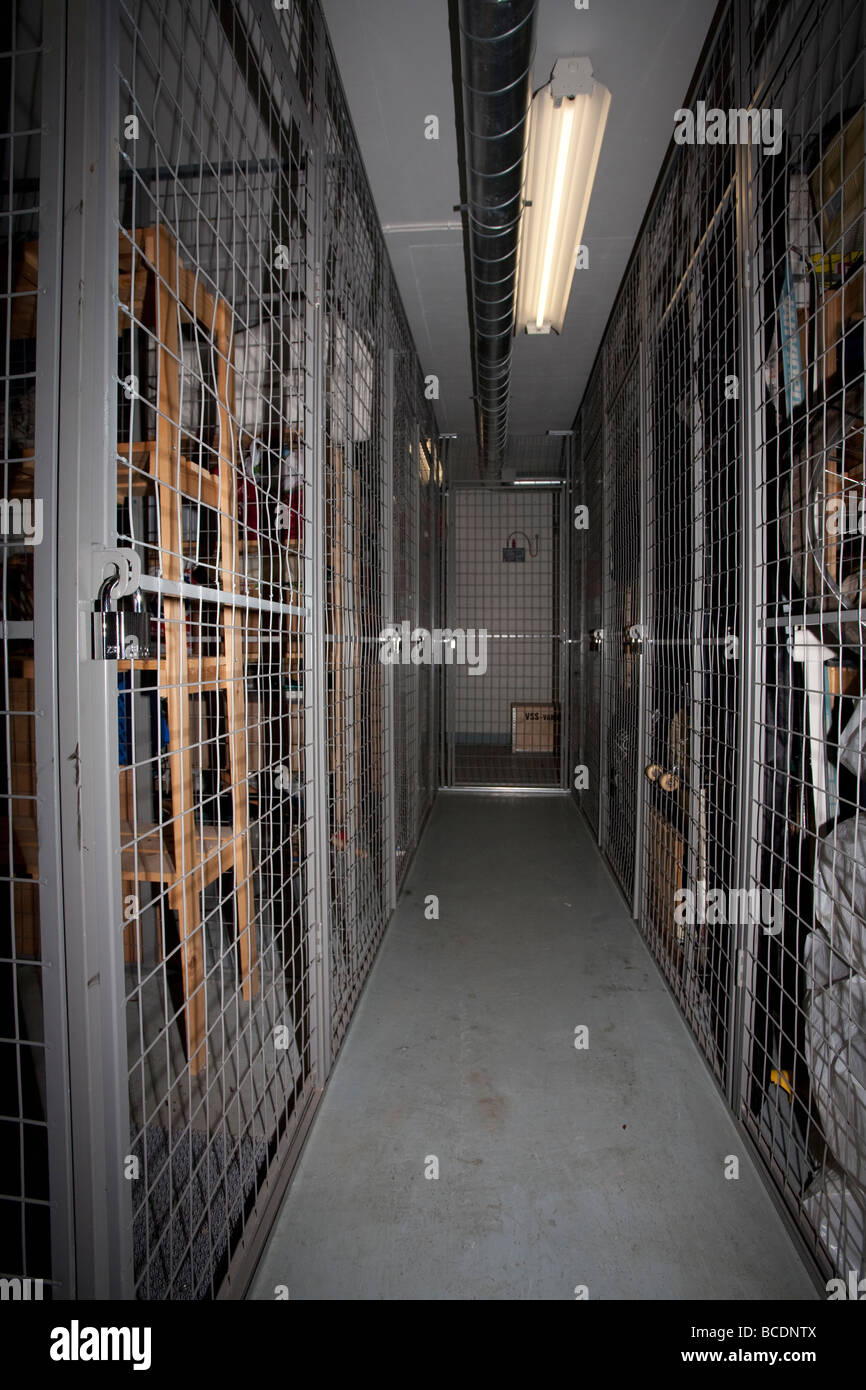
[214,670]
[176,471]
[666,869]
[25,836]
[26,915]
[147,856]
[843,680]
[25,291]
[162,252]
[233,654]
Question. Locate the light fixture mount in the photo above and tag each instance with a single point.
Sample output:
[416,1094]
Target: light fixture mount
[571,77]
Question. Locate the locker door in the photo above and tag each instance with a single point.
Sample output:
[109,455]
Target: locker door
[37,1232]
[406,677]
[504,697]
[622,646]
[804,1043]
[594,637]
[198,914]
[694,479]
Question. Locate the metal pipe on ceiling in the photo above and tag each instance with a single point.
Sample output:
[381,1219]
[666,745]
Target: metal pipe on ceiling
[497,45]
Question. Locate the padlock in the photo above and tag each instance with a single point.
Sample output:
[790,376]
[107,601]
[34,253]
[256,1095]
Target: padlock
[121,633]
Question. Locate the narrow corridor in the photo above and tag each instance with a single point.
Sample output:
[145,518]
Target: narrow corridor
[558,1166]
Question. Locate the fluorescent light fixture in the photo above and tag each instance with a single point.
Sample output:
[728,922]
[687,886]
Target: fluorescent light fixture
[537,482]
[566,128]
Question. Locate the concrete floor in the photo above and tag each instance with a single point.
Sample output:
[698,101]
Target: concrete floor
[557,1167]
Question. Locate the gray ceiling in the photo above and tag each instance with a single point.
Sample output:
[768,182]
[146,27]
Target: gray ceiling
[395,61]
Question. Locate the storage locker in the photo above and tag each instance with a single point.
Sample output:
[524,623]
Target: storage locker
[622,609]
[803,1046]
[593,498]
[748,867]
[239,523]
[35,1141]
[505,603]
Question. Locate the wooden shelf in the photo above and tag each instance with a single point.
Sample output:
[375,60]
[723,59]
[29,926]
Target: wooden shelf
[185,854]
[149,857]
[185,477]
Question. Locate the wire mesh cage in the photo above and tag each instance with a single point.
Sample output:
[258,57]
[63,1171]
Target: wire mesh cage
[407,483]
[579,533]
[214,475]
[245,575]
[28,934]
[749,861]
[804,1055]
[355,304]
[621,652]
[693,563]
[503,651]
[593,498]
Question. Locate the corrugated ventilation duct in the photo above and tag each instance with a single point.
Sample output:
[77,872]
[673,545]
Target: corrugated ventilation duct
[497,43]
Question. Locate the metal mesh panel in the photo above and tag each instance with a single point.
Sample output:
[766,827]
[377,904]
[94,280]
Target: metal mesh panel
[805,1045]
[355,299]
[429,541]
[417,478]
[623,335]
[503,649]
[622,643]
[693,560]
[213,478]
[592,413]
[25,1221]
[406,458]
[579,547]
[593,620]
[780,892]
[296,27]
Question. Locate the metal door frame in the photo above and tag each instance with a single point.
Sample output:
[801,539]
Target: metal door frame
[632,369]
[45,630]
[90,809]
[559,561]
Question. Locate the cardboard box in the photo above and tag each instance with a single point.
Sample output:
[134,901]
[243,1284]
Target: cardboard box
[837,187]
[839,309]
[296,738]
[533,727]
[666,856]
